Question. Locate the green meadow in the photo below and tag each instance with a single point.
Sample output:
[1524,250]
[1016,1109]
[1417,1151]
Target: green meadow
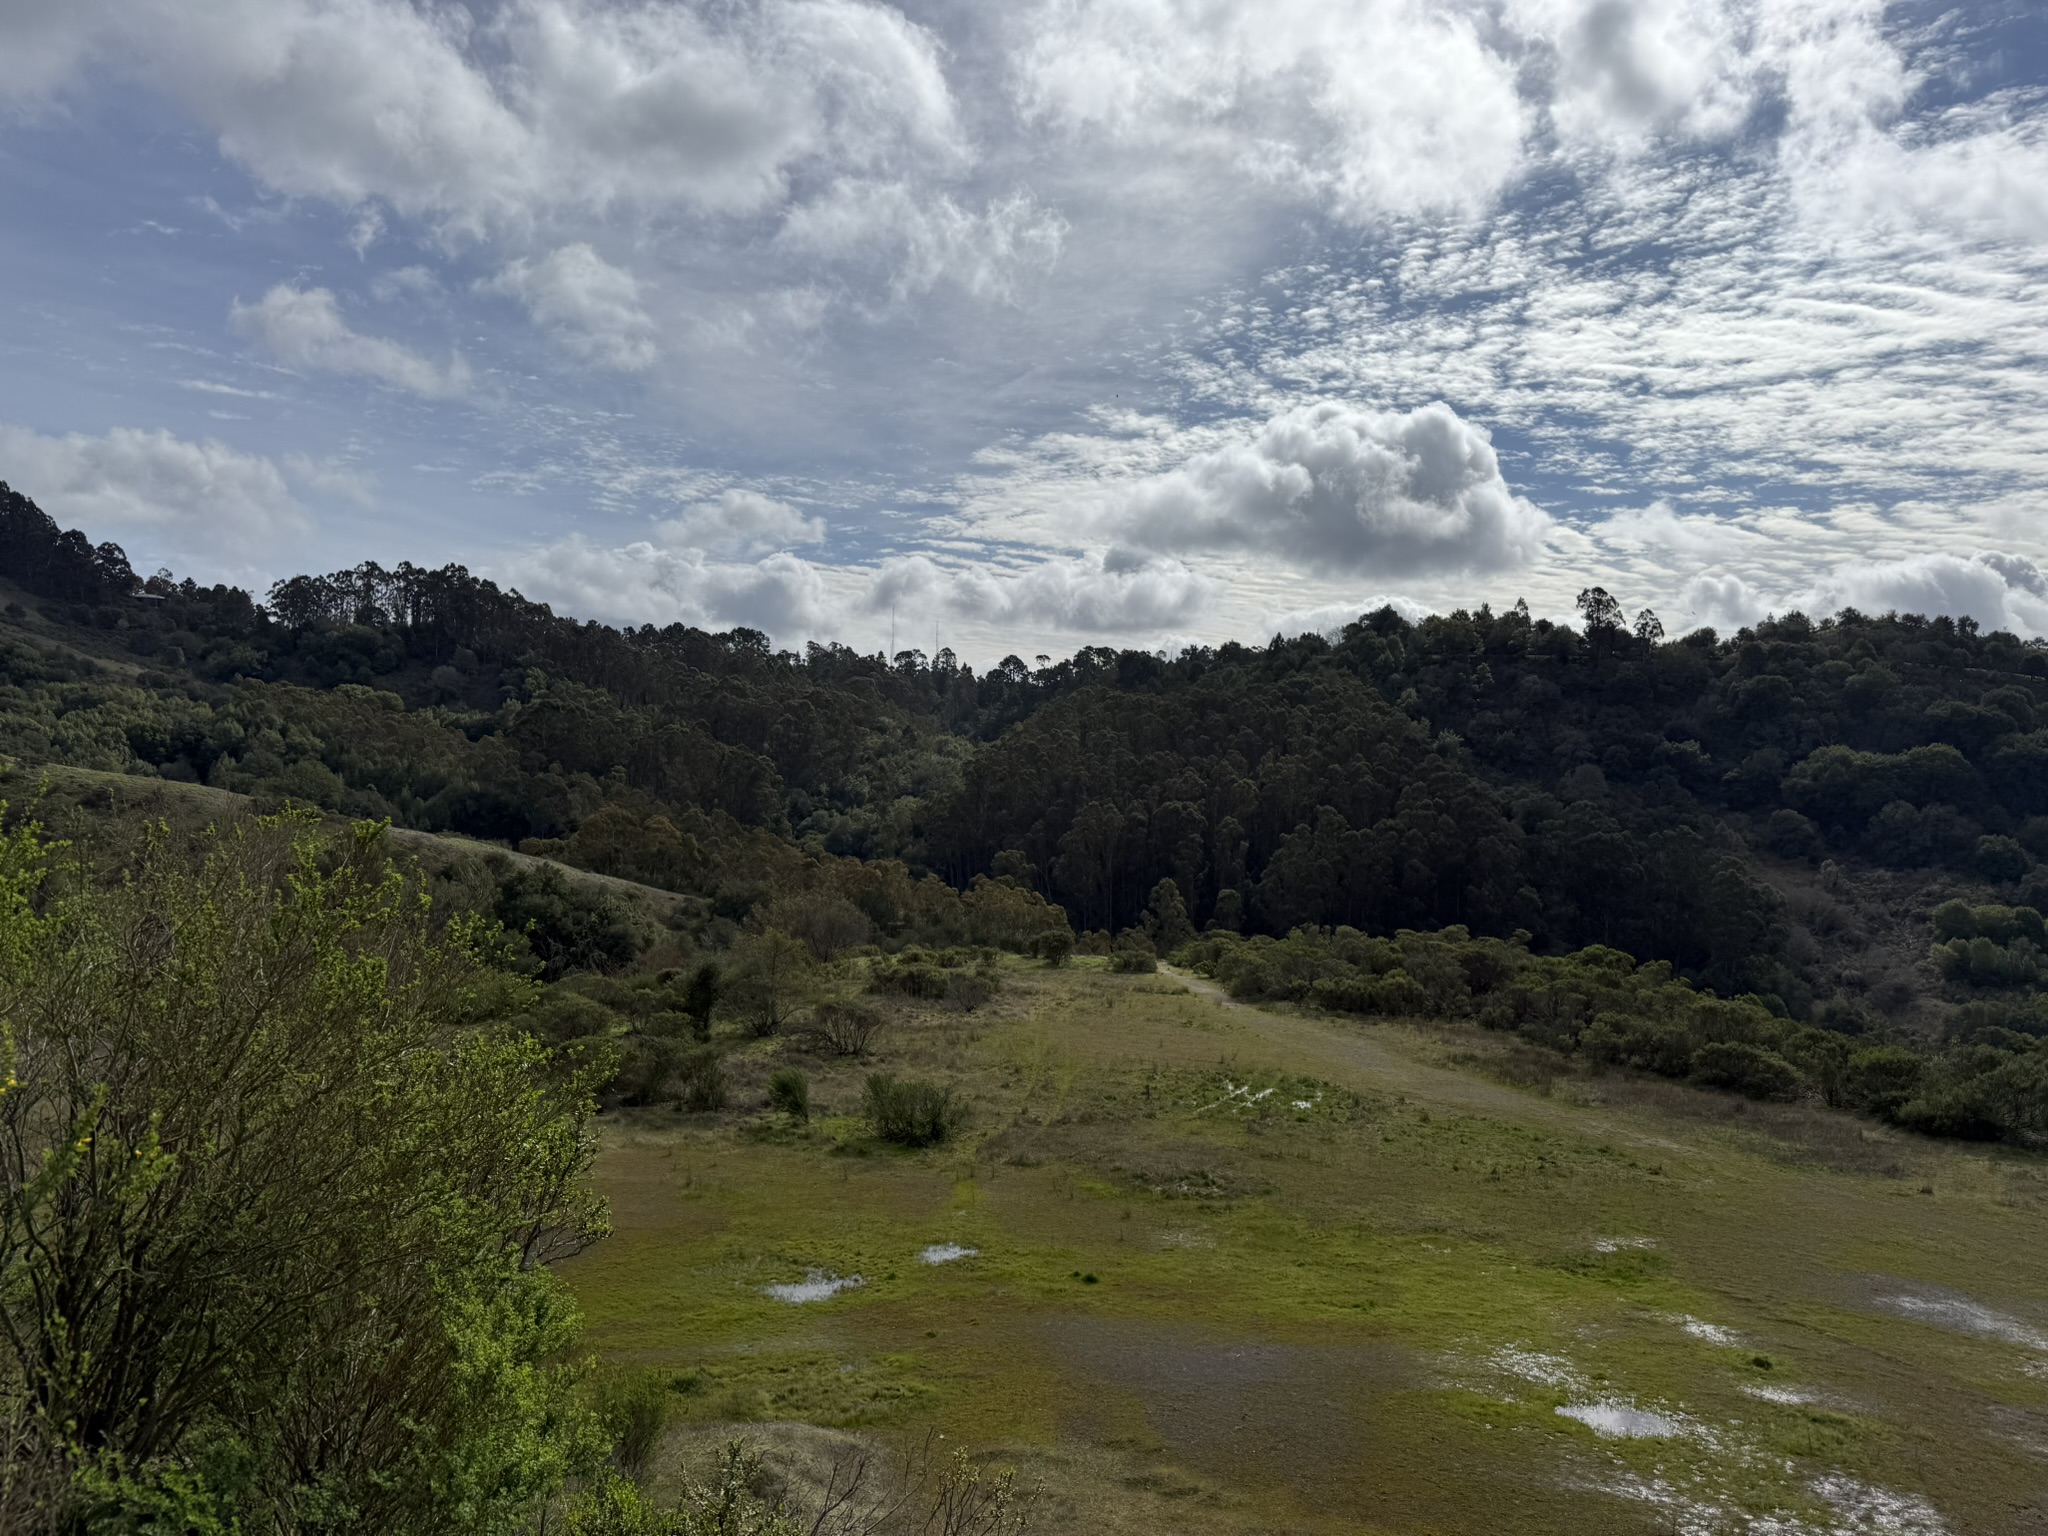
[1205,1267]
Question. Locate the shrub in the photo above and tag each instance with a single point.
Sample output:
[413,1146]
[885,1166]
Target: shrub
[968,990]
[700,997]
[1882,1078]
[634,1408]
[911,1113]
[650,1063]
[846,1029]
[700,1079]
[827,924]
[1055,946]
[1748,1069]
[1134,955]
[790,1092]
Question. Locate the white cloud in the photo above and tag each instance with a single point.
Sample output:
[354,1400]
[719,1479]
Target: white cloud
[741,522]
[1999,591]
[1334,488]
[1117,592]
[1660,530]
[182,497]
[302,328]
[784,596]
[1629,70]
[591,305]
[1387,106]
[476,118]
[920,241]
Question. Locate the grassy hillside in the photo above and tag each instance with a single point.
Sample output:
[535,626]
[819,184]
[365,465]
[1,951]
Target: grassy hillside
[1242,1269]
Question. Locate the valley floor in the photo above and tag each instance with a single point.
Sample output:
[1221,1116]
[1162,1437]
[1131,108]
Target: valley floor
[1200,1267]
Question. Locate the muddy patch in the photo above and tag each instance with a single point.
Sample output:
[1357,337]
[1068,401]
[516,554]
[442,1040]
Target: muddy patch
[1292,1410]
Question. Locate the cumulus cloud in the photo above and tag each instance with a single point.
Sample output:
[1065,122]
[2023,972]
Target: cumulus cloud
[1627,70]
[1114,592]
[303,328]
[191,498]
[1335,488]
[741,522]
[1998,590]
[1382,107]
[473,117]
[783,596]
[592,306]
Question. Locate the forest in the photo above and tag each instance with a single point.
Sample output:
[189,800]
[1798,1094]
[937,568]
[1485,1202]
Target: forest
[1804,862]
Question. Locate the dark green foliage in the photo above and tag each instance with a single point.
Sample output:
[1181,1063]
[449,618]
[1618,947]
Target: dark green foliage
[790,1092]
[1748,1069]
[567,928]
[1133,955]
[912,1112]
[700,997]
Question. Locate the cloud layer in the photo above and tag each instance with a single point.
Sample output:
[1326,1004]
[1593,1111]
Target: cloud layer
[1129,318]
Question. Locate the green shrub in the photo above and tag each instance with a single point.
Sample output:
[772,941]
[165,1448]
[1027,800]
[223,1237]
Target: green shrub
[1882,1078]
[1134,955]
[790,1092]
[968,990]
[634,1408]
[700,1079]
[911,1113]
[846,1029]
[1748,1069]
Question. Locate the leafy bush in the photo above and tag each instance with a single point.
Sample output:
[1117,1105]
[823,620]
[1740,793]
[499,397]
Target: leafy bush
[635,1408]
[1134,955]
[567,927]
[911,1113]
[846,1029]
[1748,1069]
[968,990]
[276,1044]
[700,1080]
[790,1092]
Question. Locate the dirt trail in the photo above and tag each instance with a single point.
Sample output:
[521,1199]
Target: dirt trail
[1365,1055]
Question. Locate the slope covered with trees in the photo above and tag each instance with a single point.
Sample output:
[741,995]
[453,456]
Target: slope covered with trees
[1775,813]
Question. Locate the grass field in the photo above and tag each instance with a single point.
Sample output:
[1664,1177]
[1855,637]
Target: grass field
[1235,1269]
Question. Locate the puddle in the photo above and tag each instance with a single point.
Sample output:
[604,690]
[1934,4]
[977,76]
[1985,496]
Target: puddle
[1289,1413]
[945,1253]
[1940,1307]
[1622,1244]
[1617,1419]
[815,1286]
[1186,1240]
[1712,1333]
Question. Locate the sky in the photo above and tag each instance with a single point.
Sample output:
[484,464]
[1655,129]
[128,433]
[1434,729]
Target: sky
[1021,327]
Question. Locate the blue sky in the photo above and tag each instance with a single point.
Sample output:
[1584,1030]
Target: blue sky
[1030,326]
